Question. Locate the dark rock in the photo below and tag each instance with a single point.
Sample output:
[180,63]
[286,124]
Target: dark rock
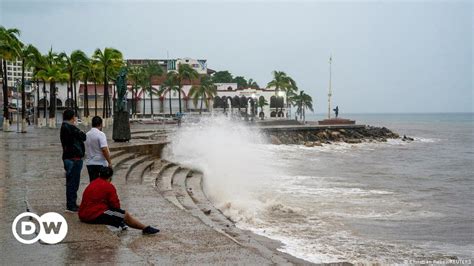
[275,140]
[353,141]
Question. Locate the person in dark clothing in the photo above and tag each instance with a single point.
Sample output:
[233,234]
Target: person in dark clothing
[72,141]
[101,205]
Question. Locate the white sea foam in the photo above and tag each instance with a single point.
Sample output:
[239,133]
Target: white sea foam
[231,156]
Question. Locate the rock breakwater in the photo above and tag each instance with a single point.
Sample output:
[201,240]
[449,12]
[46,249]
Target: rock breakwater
[317,137]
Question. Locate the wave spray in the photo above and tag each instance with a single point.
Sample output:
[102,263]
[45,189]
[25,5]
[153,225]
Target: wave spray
[233,158]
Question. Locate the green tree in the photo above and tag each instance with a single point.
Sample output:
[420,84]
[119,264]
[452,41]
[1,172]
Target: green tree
[302,102]
[282,82]
[9,51]
[107,59]
[252,84]
[85,68]
[185,73]
[96,76]
[205,90]
[27,55]
[72,65]
[222,77]
[152,70]
[261,103]
[38,62]
[170,84]
[53,73]
[241,82]
[136,75]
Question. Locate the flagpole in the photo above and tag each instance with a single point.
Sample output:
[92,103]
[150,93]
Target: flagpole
[330,89]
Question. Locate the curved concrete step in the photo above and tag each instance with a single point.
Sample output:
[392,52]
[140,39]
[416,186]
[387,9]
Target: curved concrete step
[196,193]
[163,184]
[222,223]
[149,175]
[122,158]
[136,175]
[179,188]
[158,172]
[133,176]
[114,154]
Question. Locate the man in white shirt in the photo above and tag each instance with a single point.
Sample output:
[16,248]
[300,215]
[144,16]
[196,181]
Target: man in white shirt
[97,150]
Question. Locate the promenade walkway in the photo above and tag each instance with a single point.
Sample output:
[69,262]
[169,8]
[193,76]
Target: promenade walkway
[32,178]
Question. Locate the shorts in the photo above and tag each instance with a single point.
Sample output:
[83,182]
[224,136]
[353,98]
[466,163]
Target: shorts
[114,217]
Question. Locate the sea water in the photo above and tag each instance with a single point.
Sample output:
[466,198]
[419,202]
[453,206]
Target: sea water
[387,202]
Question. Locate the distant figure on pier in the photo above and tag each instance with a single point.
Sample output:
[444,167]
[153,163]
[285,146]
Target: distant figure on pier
[336,110]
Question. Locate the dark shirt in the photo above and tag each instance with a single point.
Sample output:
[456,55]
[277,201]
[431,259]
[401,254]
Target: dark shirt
[72,140]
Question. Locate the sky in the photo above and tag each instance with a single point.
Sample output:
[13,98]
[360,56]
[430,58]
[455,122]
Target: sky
[388,56]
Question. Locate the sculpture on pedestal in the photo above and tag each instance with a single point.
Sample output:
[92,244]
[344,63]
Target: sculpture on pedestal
[121,129]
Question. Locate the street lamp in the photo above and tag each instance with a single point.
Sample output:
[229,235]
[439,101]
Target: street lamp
[17,86]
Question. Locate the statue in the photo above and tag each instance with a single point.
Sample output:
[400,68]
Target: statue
[336,111]
[121,130]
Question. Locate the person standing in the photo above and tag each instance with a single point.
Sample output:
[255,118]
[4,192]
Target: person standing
[72,141]
[97,150]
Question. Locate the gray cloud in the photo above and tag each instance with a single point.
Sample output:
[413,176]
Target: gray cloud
[389,56]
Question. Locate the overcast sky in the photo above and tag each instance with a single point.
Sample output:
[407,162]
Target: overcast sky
[388,56]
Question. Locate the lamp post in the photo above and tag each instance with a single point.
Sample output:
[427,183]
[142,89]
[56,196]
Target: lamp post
[17,86]
[56,106]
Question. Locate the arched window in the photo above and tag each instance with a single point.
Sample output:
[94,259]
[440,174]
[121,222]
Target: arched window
[41,103]
[243,102]
[236,102]
[273,102]
[217,102]
[273,114]
[229,88]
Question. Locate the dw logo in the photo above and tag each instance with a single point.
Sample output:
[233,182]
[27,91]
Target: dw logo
[52,228]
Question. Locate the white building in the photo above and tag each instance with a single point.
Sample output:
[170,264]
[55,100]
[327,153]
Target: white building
[14,72]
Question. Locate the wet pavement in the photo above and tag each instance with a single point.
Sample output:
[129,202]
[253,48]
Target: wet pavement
[32,177]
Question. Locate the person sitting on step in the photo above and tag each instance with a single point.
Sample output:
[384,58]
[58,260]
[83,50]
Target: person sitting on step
[101,205]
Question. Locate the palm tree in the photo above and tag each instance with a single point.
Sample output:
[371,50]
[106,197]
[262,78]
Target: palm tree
[96,75]
[37,62]
[252,84]
[170,84]
[107,59]
[136,75]
[185,72]
[151,70]
[303,101]
[52,73]
[282,82]
[206,90]
[85,70]
[9,50]
[27,55]
[261,103]
[72,65]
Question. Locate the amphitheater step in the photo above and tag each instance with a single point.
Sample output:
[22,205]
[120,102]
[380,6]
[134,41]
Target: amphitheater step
[179,188]
[122,158]
[133,174]
[164,185]
[114,154]
[143,168]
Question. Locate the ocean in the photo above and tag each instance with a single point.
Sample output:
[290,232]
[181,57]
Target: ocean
[389,202]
